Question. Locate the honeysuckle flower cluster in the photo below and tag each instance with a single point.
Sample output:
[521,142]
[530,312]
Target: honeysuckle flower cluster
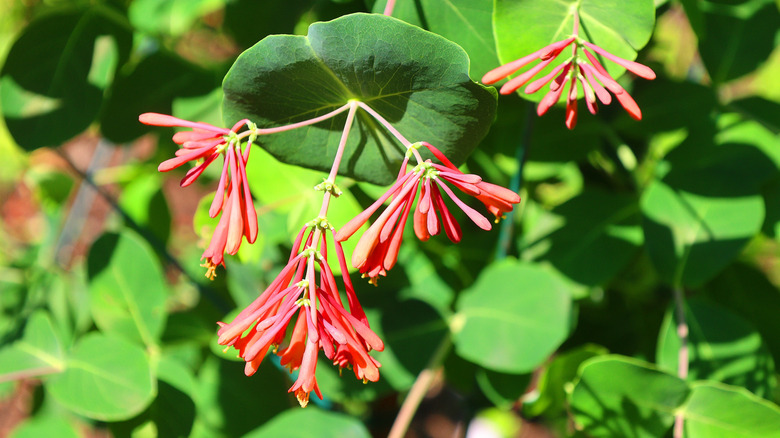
[305,294]
[203,145]
[306,289]
[377,249]
[582,67]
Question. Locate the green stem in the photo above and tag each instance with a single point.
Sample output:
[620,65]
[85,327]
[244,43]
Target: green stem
[521,155]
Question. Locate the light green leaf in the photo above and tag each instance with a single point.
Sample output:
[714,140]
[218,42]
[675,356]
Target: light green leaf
[416,80]
[127,288]
[169,17]
[46,426]
[38,352]
[721,411]
[299,423]
[721,346]
[513,318]
[620,396]
[106,378]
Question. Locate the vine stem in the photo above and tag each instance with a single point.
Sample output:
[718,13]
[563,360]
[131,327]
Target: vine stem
[418,390]
[683,354]
[389,7]
[334,170]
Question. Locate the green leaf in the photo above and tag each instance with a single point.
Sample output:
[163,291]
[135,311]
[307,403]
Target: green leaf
[143,200]
[705,210]
[169,17]
[106,378]
[127,288]
[525,26]
[719,411]
[151,85]
[299,423]
[750,39]
[38,352]
[416,80]
[48,426]
[513,318]
[224,393]
[721,346]
[469,23]
[599,234]
[555,378]
[504,390]
[52,83]
[620,396]
[748,292]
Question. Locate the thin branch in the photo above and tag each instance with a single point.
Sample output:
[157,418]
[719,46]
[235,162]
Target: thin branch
[389,7]
[418,390]
[158,246]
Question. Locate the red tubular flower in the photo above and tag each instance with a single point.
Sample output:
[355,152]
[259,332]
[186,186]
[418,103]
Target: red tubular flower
[322,322]
[377,250]
[582,67]
[233,198]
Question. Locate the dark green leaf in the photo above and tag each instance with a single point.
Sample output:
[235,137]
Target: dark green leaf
[620,396]
[143,200]
[52,83]
[106,378]
[151,86]
[749,41]
[466,22]
[416,80]
[599,234]
[721,346]
[504,390]
[513,318]
[127,288]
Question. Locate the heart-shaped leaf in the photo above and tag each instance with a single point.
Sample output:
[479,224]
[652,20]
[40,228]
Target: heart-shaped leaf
[416,80]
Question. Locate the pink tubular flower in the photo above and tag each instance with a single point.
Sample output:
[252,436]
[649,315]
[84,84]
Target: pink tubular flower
[582,67]
[203,145]
[377,249]
[321,321]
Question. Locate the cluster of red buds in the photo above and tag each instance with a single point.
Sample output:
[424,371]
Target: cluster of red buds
[582,67]
[203,145]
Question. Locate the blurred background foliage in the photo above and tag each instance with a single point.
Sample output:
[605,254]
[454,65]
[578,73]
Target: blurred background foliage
[559,322]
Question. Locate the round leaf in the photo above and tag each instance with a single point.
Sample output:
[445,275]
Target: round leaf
[127,288]
[721,411]
[525,26]
[620,396]
[299,423]
[416,80]
[513,318]
[721,346]
[38,352]
[106,378]
[466,22]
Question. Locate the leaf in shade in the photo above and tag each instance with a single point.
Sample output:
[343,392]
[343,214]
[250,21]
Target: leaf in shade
[52,82]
